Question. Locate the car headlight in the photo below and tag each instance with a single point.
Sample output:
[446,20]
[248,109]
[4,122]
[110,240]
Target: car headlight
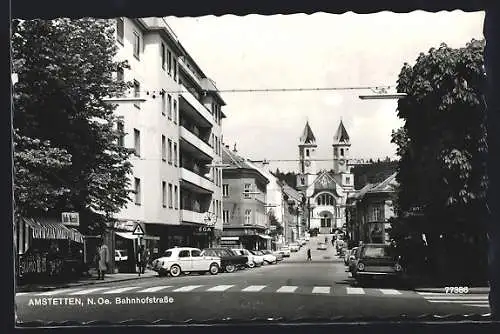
[361,266]
[398,267]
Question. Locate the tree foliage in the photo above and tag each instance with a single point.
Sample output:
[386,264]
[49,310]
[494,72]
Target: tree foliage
[442,144]
[65,69]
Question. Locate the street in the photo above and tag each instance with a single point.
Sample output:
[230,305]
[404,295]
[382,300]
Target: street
[291,290]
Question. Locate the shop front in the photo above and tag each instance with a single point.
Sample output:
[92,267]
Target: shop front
[47,251]
[251,238]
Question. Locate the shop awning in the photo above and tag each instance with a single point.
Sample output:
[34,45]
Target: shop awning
[263,236]
[52,230]
[229,238]
[127,235]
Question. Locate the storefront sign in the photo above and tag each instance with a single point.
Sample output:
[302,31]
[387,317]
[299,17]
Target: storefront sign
[204,229]
[127,226]
[229,242]
[70,218]
[38,264]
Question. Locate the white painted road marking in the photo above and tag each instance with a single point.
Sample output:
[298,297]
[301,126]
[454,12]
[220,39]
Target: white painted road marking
[355,291]
[156,288]
[187,288]
[88,291]
[390,292]
[254,288]
[321,289]
[287,288]
[220,288]
[120,290]
[56,292]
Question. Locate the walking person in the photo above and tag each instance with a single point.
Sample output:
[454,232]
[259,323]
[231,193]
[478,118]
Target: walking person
[309,255]
[103,260]
[141,259]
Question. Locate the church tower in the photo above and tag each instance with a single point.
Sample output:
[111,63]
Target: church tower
[307,155]
[341,145]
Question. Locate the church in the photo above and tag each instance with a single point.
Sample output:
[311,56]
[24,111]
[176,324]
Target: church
[325,191]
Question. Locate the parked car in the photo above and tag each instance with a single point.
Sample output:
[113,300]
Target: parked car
[294,247]
[185,259]
[278,254]
[376,261]
[286,251]
[253,260]
[230,261]
[120,255]
[269,258]
[322,246]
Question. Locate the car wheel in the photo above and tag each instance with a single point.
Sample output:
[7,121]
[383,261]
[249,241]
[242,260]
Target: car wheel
[214,269]
[251,264]
[230,268]
[175,271]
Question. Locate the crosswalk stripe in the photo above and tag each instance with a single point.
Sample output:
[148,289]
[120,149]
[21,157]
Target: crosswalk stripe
[121,290]
[187,288]
[88,291]
[458,298]
[287,288]
[21,293]
[454,301]
[220,288]
[390,292]
[155,288]
[254,288]
[477,305]
[321,289]
[355,291]
[56,292]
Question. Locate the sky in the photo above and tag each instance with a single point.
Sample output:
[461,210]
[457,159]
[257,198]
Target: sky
[314,51]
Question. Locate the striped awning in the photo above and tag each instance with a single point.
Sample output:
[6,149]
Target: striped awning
[46,230]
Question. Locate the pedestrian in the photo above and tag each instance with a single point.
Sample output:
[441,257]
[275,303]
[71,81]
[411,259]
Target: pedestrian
[309,255]
[103,262]
[141,259]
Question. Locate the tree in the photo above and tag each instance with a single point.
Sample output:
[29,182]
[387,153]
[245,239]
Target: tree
[273,221]
[442,144]
[65,69]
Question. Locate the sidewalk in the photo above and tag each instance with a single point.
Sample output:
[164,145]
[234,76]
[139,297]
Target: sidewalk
[109,278]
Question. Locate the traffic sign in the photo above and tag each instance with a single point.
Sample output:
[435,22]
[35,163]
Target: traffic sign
[138,230]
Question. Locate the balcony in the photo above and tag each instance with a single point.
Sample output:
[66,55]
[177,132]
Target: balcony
[197,143]
[195,182]
[193,107]
[192,217]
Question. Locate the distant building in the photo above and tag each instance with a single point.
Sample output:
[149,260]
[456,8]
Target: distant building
[326,192]
[371,207]
[244,188]
[294,224]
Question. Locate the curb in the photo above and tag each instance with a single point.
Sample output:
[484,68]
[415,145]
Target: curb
[84,284]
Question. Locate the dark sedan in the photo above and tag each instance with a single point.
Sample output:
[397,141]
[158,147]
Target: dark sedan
[230,261]
[376,261]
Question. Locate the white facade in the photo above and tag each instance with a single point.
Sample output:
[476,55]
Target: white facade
[154,128]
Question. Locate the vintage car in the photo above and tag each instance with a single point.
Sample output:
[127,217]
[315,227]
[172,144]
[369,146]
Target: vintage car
[294,247]
[176,261]
[269,257]
[376,261]
[253,260]
[285,250]
[230,261]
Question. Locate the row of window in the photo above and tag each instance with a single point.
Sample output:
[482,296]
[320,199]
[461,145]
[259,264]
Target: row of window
[169,61]
[216,112]
[342,151]
[216,144]
[172,197]
[247,217]
[169,107]
[172,155]
[217,176]
[247,190]
[217,207]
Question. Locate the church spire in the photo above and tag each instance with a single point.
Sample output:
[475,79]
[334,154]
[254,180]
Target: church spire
[307,135]
[341,137]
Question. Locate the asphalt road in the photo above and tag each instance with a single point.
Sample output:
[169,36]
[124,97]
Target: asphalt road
[291,290]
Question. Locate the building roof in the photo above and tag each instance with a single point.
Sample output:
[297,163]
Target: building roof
[238,162]
[341,137]
[307,135]
[291,192]
[385,186]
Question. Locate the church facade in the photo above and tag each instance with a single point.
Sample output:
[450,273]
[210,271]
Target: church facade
[325,191]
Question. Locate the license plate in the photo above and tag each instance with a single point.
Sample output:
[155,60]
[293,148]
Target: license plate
[380,268]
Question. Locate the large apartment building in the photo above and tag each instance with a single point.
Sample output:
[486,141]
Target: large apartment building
[173,121]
